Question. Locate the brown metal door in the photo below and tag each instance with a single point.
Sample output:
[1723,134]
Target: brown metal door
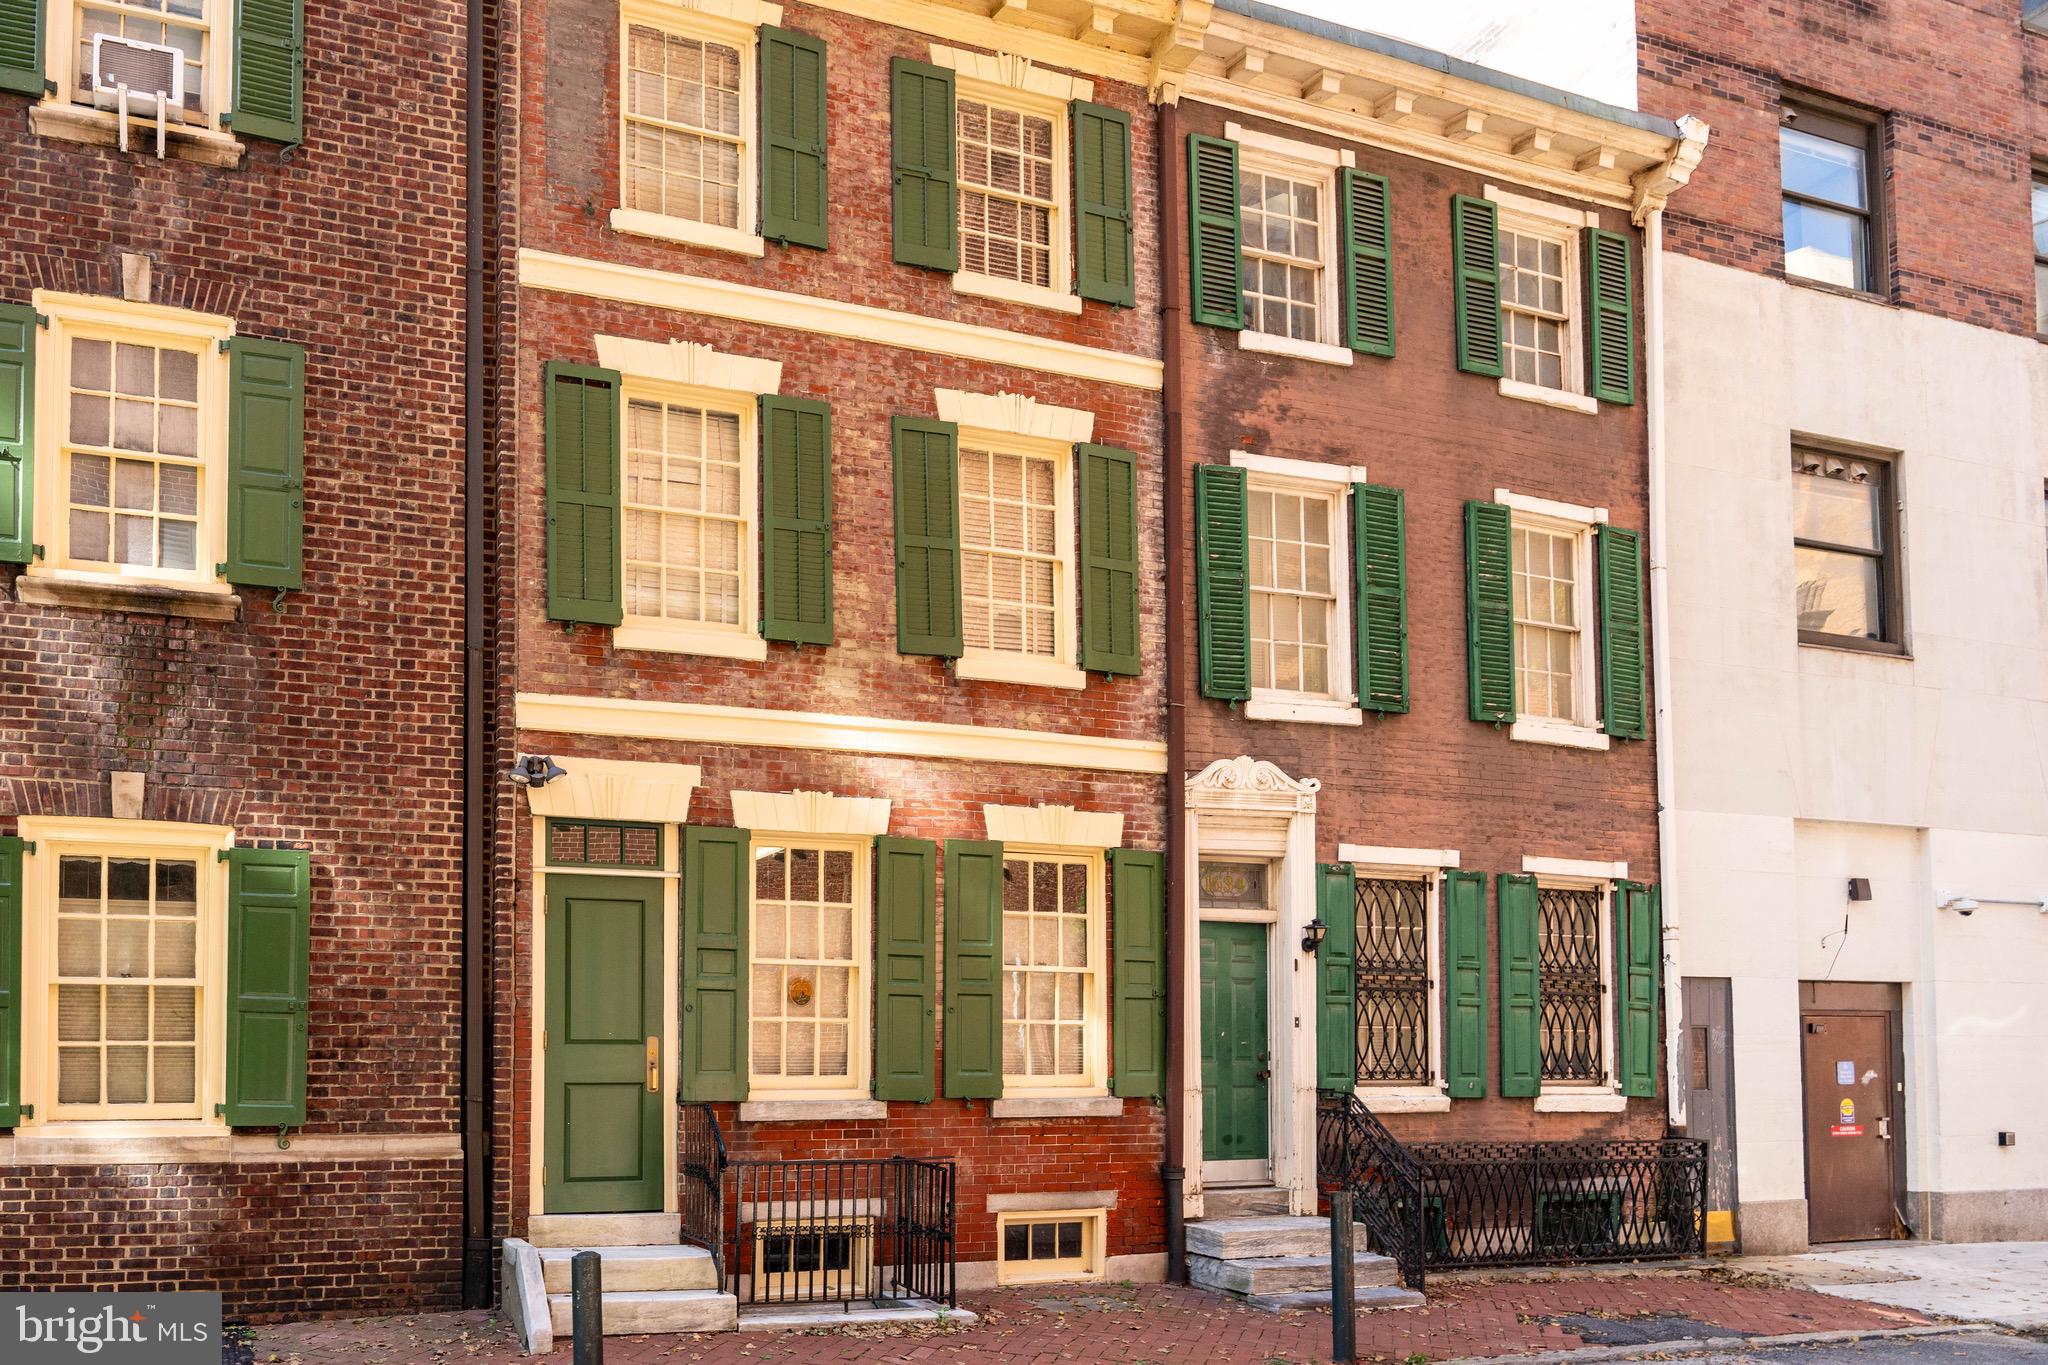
[1709,1042]
[1848,1068]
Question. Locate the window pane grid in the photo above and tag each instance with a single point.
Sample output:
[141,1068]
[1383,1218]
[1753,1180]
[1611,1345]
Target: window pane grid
[1294,594]
[1048,968]
[683,145]
[182,24]
[1546,623]
[131,454]
[1009,561]
[127,981]
[804,969]
[1839,545]
[1535,307]
[1392,964]
[1006,192]
[1283,254]
[1826,185]
[684,518]
[1572,984]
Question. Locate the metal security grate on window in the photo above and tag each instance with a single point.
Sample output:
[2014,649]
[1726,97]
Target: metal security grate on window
[1572,987]
[1393,981]
[603,844]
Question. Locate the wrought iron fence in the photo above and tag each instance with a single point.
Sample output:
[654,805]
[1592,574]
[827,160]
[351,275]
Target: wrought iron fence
[700,1154]
[1355,1151]
[857,1230]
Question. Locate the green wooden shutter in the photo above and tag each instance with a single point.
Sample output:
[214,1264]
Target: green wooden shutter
[906,964]
[1489,611]
[1103,266]
[17,433]
[10,980]
[269,932]
[1379,564]
[1610,316]
[1109,559]
[927,457]
[1465,984]
[1621,633]
[794,208]
[266,463]
[21,47]
[1336,979]
[583,494]
[974,969]
[270,70]
[1223,585]
[1368,244]
[1138,1023]
[1475,266]
[1521,1039]
[796,520]
[718,882]
[921,134]
[1639,949]
[1215,233]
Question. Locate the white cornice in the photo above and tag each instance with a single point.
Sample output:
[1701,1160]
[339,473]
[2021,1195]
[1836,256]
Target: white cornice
[810,813]
[1056,826]
[1015,413]
[607,789]
[691,363]
[1251,784]
[1012,72]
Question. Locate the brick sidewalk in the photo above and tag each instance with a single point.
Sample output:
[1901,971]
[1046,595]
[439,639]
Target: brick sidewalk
[1150,1324]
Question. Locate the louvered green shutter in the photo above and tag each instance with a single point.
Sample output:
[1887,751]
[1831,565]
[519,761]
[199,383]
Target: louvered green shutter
[793,140]
[1489,611]
[1521,1042]
[1465,984]
[921,133]
[1610,316]
[21,47]
[927,537]
[718,876]
[1475,266]
[1109,559]
[1215,233]
[1223,581]
[1138,1023]
[1368,261]
[1336,979]
[17,433]
[906,963]
[1380,569]
[269,934]
[796,520]
[1639,946]
[10,980]
[1103,264]
[974,969]
[266,463]
[270,70]
[583,494]
[1621,633]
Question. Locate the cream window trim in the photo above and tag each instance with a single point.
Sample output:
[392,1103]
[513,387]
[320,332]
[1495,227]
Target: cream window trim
[1014,291]
[1313,471]
[1568,512]
[1061,668]
[1030,97]
[1576,872]
[1414,865]
[813,1111]
[1567,519]
[1049,1201]
[1397,859]
[1089,1265]
[61,46]
[1094,1078]
[1544,730]
[1014,414]
[100,128]
[1552,223]
[1329,317]
[728,22]
[747,13]
[689,637]
[1008,71]
[1306,710]
[1289,149]
[1337,706]
[861,987]
[994,665]
[1581,1100]
[1550,398]
[804,814]
[1085,1107]
[1057,827]
[1404,1099]
[1318,352]
[661,227]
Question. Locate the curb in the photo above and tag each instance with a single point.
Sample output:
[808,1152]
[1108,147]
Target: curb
[1702,1345]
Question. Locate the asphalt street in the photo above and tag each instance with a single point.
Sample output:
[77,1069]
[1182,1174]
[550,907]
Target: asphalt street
[1975,1348]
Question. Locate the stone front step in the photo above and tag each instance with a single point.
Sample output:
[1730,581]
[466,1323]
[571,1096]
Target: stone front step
[634,1312]
[635,1268]
[1243,1202]
[1286,1274]
[604,1229]
[1240,1239]
[1367,1299]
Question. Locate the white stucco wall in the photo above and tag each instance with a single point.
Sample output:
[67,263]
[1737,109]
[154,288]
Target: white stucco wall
[1798,768]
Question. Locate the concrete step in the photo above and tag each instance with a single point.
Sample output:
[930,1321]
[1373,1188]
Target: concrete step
[1286,1274]
[1239,1239]
[671,1267]
[1243,1202]
[604,1229]
[1368,1300]
[633,1312]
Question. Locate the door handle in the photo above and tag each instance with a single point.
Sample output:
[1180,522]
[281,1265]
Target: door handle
[1884,1127]
[653,1062]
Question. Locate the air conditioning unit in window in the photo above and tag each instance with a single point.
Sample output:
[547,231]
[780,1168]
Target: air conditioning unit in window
[138,78]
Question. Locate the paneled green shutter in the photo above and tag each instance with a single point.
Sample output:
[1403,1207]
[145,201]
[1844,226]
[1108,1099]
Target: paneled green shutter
[1215,233]
[906,966]
[17,432]
[1639,947]
[1610,316]
[583,494]
[1521,1040]
[793,140]
[1109,559]
[1489,611]
[1368,244]
[21,47]
[1138,1022]
[266,463]
[1465,984]
[1223,585]
[10,980]
[927,537]
[1380,569]
[718,882]
[796,520]
[1621,633]
[1103,264]
[974,969]
[1475,266]
[270,926]
[1336,979]
[921,134]
[270,70]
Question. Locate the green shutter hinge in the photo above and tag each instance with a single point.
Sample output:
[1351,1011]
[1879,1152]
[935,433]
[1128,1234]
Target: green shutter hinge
[277,601]
[220,570]
[43,319]
[220,855]
[220,1111]
[28,1111]
[28,846]
[223,344]
[35,551]
[283,1143]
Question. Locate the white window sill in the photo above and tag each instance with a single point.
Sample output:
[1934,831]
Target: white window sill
[1011,291]
[640,223]
[1306,712]
[1051,1201]
[666,638]
[98,128]
[1529,731]
[1057,1107]
[811,1111]
[1580,1102]
[1549,398]
[1321,352]
[994,666]
[98,592]
[1405,1101]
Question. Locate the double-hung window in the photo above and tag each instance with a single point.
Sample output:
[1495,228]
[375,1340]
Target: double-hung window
[1299,544]
[1829,192]
[193,27]
[1052,982]
[1845,550]
[1551,654]
[687,127]
[1017,584]
[1537,249]
[1009,204]
[1288,222]
[808,955]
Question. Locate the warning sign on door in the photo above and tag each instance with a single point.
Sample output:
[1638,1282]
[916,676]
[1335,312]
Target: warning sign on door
[1848,1111]
[1846,1130]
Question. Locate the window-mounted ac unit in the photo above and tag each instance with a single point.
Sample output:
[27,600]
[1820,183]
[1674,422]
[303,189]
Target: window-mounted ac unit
[131,77]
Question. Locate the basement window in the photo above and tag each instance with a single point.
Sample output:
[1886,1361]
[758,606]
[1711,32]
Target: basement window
[1038,1248]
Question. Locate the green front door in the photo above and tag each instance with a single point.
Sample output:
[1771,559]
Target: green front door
[603,1022]
[1236,1060]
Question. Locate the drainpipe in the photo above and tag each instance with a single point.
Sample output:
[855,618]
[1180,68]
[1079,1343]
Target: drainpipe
[1173,192]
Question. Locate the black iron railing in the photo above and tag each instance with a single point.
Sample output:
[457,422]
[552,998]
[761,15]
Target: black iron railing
[700,1155]
[851,1231]
[1355,1151]
[1392,965]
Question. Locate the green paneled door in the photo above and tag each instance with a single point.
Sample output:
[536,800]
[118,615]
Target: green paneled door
[603,1007]
[1236,1062]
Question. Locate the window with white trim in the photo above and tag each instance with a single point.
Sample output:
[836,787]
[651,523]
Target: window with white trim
[1009,182]
[1052,985]
[1010,557]
[1574,962]
[683,141]
[690,515]
[1039,1248]
[808,950]
[1297,560]
[1539,302]
[1556,631]
[193,27]
[1285,214]
[1395,961]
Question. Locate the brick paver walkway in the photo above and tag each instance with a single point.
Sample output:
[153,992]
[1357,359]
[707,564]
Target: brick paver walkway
[1141,1325]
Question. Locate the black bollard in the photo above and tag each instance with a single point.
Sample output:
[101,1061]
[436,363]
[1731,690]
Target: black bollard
[1343,1269]
[586,1306]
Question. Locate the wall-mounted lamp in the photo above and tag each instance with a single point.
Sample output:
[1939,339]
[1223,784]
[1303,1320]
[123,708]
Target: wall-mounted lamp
[1962,905]
[1312,934]
[1859,888]
[535,770]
